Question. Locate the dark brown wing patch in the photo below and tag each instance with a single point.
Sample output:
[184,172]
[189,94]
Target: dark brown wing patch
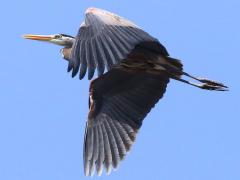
[121,102]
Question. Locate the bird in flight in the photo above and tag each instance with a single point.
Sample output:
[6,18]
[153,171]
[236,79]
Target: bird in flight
[133,68]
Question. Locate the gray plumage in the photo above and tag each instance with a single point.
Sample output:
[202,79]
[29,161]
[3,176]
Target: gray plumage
[109,38]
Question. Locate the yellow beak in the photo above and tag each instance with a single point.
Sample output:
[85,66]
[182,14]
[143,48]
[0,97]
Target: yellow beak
[39,37]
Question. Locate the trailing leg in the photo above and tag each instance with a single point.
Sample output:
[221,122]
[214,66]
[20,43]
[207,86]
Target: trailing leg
[207,84]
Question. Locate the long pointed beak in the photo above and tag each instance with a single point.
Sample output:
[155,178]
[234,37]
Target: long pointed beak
[39,37]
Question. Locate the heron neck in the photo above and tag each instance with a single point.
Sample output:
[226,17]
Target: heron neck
[68,43]
[66,53]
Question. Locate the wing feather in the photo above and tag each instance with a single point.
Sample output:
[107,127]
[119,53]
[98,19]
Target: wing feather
[88,150]
[108,52]
[114,37]
[113,144]
[101,155]
[76,65]
[124,135]
[120,145]
[90,61]
[118,41]
[83,62]
[108,152]
[102,55]
[120,102]
[114,47]
[95,150]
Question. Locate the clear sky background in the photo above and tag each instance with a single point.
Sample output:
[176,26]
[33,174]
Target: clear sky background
[191,134]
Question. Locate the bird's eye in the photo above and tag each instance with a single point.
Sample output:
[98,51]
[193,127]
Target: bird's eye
[58,36]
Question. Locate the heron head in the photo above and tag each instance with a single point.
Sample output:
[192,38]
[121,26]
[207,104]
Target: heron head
[58,39]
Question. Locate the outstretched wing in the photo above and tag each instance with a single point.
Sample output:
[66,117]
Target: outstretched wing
[119,101]
[104,39]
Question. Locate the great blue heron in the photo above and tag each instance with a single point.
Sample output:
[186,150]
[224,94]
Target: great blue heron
[138,71]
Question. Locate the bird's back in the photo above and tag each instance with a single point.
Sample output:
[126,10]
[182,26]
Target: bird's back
[148,60]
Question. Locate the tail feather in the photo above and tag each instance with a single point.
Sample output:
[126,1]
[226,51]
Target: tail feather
[173,67]
[175,62]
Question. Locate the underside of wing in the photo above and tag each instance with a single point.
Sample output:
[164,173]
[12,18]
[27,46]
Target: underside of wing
[119,101]
[104,39]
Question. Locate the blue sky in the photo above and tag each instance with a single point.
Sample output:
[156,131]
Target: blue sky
[191,134]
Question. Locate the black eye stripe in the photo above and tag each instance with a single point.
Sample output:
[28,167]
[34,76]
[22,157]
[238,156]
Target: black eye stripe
[65,35]
[58,36]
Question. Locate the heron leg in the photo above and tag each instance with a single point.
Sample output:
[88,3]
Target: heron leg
[205,83]
[204,80]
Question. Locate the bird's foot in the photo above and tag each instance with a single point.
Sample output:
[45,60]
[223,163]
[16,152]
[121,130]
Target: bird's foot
[213,86]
